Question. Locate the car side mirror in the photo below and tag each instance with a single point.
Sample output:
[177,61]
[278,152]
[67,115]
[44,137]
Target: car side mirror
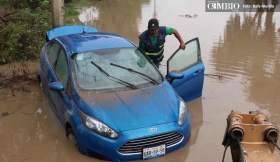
[175,74]
[56,86]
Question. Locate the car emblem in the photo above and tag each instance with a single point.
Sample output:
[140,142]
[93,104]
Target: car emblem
[152,129]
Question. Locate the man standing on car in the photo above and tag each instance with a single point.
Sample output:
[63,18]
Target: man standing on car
[152,41]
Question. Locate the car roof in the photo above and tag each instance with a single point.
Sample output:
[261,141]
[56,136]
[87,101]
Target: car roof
[83,42]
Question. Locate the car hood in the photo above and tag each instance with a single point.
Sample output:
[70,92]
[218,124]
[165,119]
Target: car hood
[131,109]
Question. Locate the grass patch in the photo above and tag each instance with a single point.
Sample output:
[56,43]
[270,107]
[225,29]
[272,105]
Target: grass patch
[69,22]
[2,3]
[23,35]
[71,11]
[80,3]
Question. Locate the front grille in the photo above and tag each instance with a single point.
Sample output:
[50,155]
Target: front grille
[136,146]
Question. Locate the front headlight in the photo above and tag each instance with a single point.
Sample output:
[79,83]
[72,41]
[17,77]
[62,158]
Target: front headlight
[98,127]
[183,111]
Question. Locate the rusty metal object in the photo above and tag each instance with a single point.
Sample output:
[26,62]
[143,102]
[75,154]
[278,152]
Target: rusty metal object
[251,137]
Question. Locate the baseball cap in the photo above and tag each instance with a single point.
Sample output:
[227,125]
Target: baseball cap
[153,24]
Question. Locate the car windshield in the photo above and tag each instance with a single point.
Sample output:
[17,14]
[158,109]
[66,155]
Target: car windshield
[89,77]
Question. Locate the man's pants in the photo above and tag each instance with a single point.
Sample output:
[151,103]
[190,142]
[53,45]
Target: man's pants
[157,64]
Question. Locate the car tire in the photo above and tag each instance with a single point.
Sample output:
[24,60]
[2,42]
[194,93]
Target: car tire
[72,137]
[41,85]
[40,82]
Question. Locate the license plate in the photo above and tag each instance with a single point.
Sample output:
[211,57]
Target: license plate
[153,152]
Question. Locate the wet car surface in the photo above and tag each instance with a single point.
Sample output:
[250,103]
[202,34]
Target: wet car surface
[115,114]
[242,49]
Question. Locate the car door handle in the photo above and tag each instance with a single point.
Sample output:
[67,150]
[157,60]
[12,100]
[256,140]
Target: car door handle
[195,73]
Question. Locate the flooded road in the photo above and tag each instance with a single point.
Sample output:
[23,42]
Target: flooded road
[243,48]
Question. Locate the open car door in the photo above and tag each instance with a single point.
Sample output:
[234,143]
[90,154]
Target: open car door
[185,71]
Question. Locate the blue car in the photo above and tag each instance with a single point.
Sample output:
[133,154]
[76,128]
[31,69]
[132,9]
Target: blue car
[112,100]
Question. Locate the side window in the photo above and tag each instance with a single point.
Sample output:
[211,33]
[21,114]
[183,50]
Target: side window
[183,59]
[62,70]
[53,53]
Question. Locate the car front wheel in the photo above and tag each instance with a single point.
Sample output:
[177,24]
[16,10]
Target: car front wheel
[41,85]
[71,136]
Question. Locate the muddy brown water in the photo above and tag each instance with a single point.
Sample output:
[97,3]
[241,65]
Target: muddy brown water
[243,48]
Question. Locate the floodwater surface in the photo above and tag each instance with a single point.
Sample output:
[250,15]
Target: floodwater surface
[241,53]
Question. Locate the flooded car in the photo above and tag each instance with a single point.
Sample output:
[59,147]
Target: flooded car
[111,107]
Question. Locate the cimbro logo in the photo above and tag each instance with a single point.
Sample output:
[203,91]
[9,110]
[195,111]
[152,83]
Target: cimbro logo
[223,6]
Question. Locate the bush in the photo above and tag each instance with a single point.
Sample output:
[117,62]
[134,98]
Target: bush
[23,34]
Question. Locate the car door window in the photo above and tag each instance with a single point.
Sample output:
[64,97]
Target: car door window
[183,59]
[61,69]
[53,53]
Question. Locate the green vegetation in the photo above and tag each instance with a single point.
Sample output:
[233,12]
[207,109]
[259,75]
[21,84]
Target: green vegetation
[77,3]
[2,3]
[23,25]
[71,9]
[71,12]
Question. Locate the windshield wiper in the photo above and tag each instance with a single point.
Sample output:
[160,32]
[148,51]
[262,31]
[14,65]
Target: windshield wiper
[131,70]
[109,76]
